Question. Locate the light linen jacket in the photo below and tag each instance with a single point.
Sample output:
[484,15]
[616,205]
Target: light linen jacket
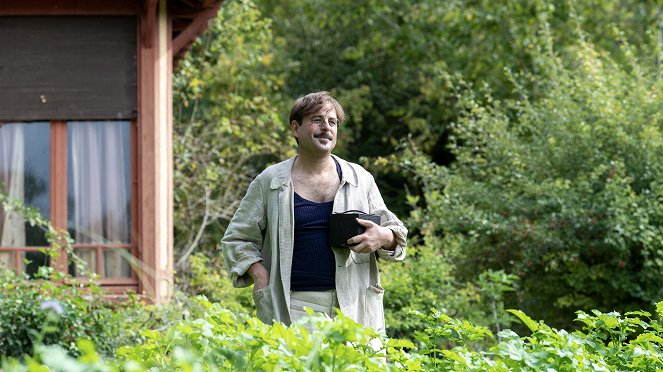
[262,229]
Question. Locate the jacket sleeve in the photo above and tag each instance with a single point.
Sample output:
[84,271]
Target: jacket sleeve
[389,220]
[242,241]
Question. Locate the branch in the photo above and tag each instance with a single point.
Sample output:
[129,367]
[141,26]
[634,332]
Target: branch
[201,230]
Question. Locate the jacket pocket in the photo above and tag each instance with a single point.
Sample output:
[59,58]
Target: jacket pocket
[374,316]
[264,307]
[360,258]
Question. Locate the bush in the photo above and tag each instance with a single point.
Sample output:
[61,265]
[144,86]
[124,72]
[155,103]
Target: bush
[222,340]
[426,280]
[563,191]
[210,278]
[607,342]
[41,312]
[55,309]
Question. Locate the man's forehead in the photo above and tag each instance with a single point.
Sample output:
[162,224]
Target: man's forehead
[326,109]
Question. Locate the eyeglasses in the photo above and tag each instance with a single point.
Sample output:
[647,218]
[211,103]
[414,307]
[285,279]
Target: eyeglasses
[320,121]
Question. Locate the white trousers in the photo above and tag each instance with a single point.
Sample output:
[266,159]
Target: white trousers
[324,302]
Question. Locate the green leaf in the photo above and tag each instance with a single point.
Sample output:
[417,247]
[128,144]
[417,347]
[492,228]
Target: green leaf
[531,324]
[649,337]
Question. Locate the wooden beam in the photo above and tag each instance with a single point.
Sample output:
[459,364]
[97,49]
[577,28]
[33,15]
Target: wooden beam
[59,185]
[198,25]
[69,7]
[147,31]
[208,3]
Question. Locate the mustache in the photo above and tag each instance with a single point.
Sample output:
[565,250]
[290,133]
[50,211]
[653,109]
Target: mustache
[326,135]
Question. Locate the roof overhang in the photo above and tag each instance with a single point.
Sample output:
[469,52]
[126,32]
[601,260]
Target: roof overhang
[189,17]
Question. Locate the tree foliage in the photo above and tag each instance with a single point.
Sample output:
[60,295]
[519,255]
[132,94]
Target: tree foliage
[221,340]
[228,124]
[521,137]
[564,191]
[383,59]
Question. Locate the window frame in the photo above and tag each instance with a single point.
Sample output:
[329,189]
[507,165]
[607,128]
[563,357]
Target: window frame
[58,188]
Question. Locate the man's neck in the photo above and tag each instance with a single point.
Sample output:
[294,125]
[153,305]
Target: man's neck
[315,178]
[313,165]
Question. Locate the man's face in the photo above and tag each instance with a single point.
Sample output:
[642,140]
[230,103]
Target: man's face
[317,132]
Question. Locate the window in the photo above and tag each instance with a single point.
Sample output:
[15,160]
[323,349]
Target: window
[99,182]
[99,195]
[25,174]
[68,140]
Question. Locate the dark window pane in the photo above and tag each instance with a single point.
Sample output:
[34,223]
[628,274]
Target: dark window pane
[25,175]
[33,260]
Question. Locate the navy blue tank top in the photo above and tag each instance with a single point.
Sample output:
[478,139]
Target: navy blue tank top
[313,263]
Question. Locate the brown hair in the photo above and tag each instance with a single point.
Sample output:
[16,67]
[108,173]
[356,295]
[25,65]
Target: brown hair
[311,103]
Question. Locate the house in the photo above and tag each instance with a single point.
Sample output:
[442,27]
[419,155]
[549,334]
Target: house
[85,132]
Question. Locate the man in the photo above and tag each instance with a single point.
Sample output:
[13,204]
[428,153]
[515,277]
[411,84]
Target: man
[279,237]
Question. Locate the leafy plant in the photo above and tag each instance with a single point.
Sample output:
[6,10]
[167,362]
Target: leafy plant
[222,340]
[50,314]
[52,308]
[208,277]
[563,191]
[228,125]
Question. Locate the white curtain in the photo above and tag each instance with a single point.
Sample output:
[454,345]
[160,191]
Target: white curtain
[99,178]
[117,221]
[12,169]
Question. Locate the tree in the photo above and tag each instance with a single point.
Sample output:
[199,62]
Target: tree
[565,191]
[228,125]
[383,60]
[404,71]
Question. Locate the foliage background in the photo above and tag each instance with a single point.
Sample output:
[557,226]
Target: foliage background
[520,141]
[220,339]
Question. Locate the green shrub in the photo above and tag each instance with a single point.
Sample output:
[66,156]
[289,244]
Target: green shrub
[44,313]
[607,342]
[223,340]
[426,280]
[41,312]
[210,278]
[220,340]
[565,190]
[52,308]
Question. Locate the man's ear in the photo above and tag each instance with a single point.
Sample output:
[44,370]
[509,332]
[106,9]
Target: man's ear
[294,127]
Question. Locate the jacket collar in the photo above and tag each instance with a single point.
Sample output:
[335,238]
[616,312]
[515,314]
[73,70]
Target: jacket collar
[349,175]
[283,178]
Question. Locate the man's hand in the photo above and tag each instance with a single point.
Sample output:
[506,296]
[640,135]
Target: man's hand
[374,238]
[260,276]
